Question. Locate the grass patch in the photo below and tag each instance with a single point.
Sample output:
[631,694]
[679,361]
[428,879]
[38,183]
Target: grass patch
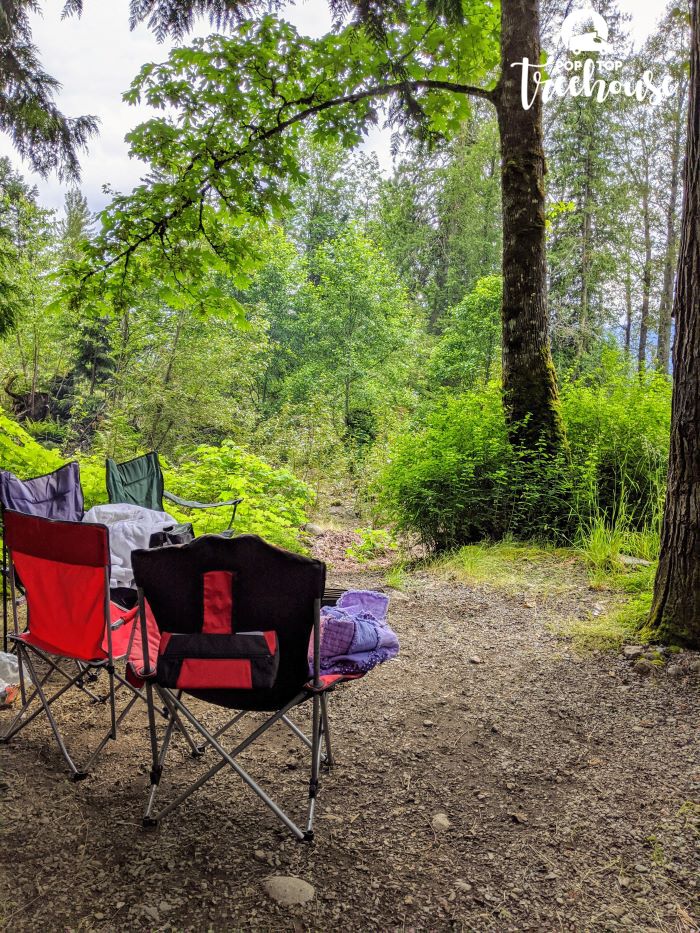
[604,545]
[396,576]
[512,567]
[609,631]
[517,568]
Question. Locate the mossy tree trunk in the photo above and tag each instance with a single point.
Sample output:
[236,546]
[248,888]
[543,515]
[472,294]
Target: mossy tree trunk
[529,382]
[675,612]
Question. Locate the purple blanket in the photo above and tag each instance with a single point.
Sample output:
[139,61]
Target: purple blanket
[354,634]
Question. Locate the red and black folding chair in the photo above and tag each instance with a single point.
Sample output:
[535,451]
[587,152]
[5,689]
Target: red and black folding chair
[232,620]
[56,495]
[64,568]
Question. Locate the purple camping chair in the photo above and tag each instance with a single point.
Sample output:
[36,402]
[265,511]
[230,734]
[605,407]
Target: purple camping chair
[56,495]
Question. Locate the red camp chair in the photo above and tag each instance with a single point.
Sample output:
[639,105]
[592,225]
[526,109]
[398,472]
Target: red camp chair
[229,621]
[64,567]
[57,495]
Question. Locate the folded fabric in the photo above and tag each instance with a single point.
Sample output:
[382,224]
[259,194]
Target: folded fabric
[130,528]
[354,634]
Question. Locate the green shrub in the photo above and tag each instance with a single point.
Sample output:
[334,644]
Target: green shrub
[373,543]
[454,478]
[275,502]
[618,425]
[23,455]
[468,351]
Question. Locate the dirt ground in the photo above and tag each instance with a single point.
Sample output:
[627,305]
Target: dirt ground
[571,785]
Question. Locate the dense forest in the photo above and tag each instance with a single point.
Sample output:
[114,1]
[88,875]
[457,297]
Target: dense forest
[352,347]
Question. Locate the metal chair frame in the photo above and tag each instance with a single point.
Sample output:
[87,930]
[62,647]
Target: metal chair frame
[319,743]
[84,670]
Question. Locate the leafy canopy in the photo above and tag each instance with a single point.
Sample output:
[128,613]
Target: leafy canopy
[225,151]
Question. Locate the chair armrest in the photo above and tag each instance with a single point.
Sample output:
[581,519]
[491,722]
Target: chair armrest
[188,504]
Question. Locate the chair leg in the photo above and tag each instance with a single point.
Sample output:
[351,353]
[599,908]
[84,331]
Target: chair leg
[22,719]
[156,764]
[111,734]
[326,731]
[22,685]
[151,820]
[76,679]
[297,731]
[5,571]
[327,755]
[76,773]
[315,766]
[226,726]
[196,750]
[18,723]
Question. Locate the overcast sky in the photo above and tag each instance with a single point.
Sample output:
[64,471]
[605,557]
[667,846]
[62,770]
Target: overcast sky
[96,57]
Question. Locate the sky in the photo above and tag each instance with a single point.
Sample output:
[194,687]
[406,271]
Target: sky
[96,57]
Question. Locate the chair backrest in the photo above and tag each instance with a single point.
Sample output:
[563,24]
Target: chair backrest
[242,584]
[64,568]
[56,495]
[138,481]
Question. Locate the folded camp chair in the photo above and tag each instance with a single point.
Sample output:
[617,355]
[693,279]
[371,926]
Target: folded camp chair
[140,482]
[233,619]
[56,495]
[65,570]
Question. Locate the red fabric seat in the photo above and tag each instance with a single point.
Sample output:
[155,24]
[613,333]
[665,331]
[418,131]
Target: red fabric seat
[121,638]
[64,567]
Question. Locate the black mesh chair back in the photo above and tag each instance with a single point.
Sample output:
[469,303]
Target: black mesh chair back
[268,590]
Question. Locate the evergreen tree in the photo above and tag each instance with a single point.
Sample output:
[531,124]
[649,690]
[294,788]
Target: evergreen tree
[14,196]
[43,135]
[77,225]
[440,218]
[583,148]
[669,45]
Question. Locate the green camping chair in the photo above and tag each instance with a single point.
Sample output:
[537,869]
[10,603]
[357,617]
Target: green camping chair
[140,482]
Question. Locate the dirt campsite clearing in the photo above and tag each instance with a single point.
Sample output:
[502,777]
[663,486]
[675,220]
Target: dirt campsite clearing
[492,778]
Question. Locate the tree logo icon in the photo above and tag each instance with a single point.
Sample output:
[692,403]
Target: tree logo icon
[585,31]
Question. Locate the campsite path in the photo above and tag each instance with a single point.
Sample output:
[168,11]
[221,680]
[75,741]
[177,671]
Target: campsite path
[571,786]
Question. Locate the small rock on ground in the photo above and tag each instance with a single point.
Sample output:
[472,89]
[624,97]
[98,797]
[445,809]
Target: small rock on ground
[440,822]
[288,890]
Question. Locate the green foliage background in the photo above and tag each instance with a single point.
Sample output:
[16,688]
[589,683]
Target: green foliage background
[315,330]
[275,502]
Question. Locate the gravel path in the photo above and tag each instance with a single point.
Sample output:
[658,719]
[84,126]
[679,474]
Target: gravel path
[490,779]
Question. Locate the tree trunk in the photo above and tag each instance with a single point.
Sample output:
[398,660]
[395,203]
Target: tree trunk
[628,304]
[663,355]
[646,276]
[675,611]
[529,383]
[586,231]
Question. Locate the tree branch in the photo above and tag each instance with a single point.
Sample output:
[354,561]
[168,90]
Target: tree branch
[261,135]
